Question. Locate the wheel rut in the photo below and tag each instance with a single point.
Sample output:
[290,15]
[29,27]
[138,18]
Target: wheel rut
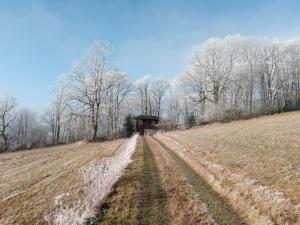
[138,197]
[218,207]
[160,188]
[152,207]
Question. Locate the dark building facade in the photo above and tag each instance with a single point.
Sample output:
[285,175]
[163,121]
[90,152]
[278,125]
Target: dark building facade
[145,122]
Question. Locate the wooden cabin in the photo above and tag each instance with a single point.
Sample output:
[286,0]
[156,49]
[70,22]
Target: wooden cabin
[145,122]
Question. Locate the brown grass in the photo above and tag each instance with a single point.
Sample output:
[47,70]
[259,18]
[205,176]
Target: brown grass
[215,208]
[182,200]
[30,180]
[129,203]
[152,207]
[266,149]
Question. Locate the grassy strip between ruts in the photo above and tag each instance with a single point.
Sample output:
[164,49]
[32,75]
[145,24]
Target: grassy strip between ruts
[183,204]
[152,208]
[221,211]
[138,197]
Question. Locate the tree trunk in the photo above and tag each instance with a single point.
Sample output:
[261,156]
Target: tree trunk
[251,99]
[95,121]
[5,142]
[95,129]
[58,132]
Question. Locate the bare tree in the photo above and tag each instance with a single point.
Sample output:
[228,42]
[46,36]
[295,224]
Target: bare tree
[174,105]
[90,84]
[25,128]
[116,98]
[237,76]
[143,94]
[55,114]
[159,88]
[249,57]
[195,87]
[7,109]
[215,59]
[269,56]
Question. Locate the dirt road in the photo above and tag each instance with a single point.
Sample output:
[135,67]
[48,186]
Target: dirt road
[164,190]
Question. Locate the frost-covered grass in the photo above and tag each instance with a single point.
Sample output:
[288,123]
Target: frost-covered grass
[98,180]
[254,163]
[265,148]
[30,180]
[257,203]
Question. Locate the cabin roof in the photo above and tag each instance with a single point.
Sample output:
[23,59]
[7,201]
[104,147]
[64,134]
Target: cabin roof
[147,117]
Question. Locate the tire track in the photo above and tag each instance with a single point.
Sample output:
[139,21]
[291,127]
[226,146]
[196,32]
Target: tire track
[138,197]
[152,207]
[218,207]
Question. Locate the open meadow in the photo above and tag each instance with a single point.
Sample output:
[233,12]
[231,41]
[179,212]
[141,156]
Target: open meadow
[30,180]
[243,172]
[255,163]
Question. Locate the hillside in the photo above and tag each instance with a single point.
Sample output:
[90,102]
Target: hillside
[31,180]
[255,163]
[243,172]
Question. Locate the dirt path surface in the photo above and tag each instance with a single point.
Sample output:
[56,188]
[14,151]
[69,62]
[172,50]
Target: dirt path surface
[138,197]
[217,206]
[160,188]
[183,205]
[152,204]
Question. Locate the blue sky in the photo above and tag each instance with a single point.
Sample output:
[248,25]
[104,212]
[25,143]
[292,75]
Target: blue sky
[39,40]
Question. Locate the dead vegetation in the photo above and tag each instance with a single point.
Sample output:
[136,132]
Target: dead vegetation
[121,205]
[154,190]
[254,163]
[152,207]
[30,180]
[184,207]
[215,209]
[138,197]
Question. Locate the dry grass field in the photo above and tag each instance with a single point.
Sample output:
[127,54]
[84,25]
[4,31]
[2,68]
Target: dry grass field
[267,148]
[30,180]
[234,173]
[255,160]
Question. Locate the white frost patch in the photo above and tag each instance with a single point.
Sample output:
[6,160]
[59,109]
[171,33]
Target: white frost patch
[82,142]
[98,181]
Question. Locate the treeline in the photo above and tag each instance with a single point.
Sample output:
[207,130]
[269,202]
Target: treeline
[90,102]
[230,78]
[241,76]
[19,127]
